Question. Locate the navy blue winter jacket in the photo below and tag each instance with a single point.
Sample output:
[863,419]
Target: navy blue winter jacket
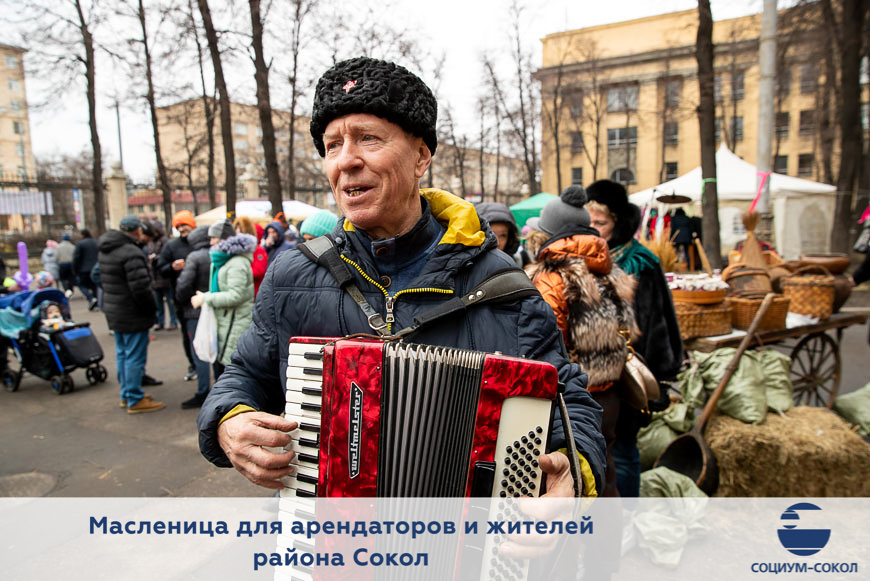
[300,298]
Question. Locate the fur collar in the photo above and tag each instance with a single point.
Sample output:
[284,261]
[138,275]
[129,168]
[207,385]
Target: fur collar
[238,244]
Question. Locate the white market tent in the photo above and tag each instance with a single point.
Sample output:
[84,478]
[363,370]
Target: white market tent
[258,211]
[803,210]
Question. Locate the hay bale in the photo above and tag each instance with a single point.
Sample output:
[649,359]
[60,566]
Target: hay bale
[805,453]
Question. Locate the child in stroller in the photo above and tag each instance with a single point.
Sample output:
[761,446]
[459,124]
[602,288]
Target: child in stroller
[46,342]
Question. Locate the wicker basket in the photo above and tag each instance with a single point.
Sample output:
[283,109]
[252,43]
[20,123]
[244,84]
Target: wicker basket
[810,294]
[699,297]
[744,309]
[703,320]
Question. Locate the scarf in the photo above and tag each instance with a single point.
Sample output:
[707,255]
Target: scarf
[633,257]
[218,259]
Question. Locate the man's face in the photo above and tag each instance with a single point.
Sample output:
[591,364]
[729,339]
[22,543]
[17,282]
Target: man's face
[272,235]
[184,230]
[373,167]
[501,230]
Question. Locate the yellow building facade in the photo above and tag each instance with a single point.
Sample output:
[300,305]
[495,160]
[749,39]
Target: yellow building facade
[628,94]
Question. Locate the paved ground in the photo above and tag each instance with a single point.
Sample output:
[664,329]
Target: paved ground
[83,444]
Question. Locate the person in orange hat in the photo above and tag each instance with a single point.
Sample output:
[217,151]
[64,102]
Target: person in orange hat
[169,266]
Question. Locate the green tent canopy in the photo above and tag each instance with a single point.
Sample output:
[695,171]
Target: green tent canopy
[530,208]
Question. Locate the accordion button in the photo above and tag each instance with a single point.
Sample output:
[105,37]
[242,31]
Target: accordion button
[532,485]
[525,491]
[505,472]
[539,429]
[534,474]
[534,463]
[515,455]
[536,452]
[509,450]
[531,434]
[502,494]
[528,456]
[517,444]
[538,441]
[525,440]
[504,482]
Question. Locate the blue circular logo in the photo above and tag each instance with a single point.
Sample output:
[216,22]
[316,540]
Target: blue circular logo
[801,541]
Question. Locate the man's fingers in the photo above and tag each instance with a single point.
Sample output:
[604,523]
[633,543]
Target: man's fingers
[272,421]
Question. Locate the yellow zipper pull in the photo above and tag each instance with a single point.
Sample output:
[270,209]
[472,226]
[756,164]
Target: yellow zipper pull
[390,317]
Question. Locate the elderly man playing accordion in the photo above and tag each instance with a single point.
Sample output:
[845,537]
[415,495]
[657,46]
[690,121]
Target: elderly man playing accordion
[373,123]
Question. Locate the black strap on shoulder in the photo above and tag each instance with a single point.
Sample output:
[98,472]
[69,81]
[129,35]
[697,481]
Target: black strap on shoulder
[506,285]
[322,250]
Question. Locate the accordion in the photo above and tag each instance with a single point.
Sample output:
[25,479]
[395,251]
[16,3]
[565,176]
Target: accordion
[391,419]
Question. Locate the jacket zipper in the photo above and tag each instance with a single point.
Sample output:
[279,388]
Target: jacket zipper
[391,300]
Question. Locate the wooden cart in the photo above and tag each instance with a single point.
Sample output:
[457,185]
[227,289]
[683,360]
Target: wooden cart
[815,354]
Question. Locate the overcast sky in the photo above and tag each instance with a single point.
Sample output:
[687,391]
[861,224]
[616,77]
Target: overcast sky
[464,29]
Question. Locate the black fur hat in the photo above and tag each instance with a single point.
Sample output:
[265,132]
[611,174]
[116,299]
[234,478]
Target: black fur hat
[615,197]
[366,85]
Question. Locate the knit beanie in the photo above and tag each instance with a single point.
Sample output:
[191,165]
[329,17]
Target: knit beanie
[367,85]
[567,210]
[129,223]
[319,224]
[183,217]
[222,229]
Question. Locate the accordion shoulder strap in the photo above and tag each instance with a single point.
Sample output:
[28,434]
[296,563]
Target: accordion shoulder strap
[322,251]
[505,285]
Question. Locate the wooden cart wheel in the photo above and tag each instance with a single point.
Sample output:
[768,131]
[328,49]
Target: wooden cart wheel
[815,370]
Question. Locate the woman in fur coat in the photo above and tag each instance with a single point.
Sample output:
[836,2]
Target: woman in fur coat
[592,299]
[659,343]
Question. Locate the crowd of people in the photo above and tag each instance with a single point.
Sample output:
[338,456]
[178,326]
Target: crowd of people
[601,292]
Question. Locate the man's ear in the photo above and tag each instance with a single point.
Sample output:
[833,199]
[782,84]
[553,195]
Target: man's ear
[424,159]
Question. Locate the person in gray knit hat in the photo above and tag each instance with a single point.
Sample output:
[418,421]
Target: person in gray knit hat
[221,230]
[408,250]
[565,211]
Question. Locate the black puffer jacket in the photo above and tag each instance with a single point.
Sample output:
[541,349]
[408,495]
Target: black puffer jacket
[128,302]
[298,297]
[85,256]
[195,276]
[174,249]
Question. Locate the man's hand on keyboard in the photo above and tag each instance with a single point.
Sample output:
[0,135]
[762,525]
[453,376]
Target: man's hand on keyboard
[245,437]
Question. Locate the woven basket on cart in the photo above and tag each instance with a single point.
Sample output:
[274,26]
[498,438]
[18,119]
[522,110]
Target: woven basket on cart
[703,320]
[744,309]
[810,294]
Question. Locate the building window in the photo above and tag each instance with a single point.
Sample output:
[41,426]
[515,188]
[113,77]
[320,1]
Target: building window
[621,136]
[576,176]
[240,129]
[865,116]
[807,123]
[576,142]
[783,81]
[672,133]
[737,227]
[737,86]
[805,165]
[622,98]
[14,85]
[259,131]
[780,164]
[736,129]
[18,128]
[671,170]
[864,71]
[781,125]
[240,144]
[623,175]
[575,104]
[672,94]
[11,61]
[717,129]
[809,78]
[15,105]
[19,150]
[717,87]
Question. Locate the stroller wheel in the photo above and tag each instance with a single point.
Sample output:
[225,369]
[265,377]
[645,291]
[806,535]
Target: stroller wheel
[10,380]
[92,374]
[57,384]
[68,384]
[103,374]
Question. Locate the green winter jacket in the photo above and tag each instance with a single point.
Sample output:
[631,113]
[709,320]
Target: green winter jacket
[233,304]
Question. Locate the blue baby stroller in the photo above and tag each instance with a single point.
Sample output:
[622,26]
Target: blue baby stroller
[51,353]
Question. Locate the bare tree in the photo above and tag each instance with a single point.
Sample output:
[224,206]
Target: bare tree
[162,176]
[62,47]
[553,113]
[588,106]
[849,49]
[264,107]
[224,106]
[186,115]
[706,112]
[458,152]
[208,108]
